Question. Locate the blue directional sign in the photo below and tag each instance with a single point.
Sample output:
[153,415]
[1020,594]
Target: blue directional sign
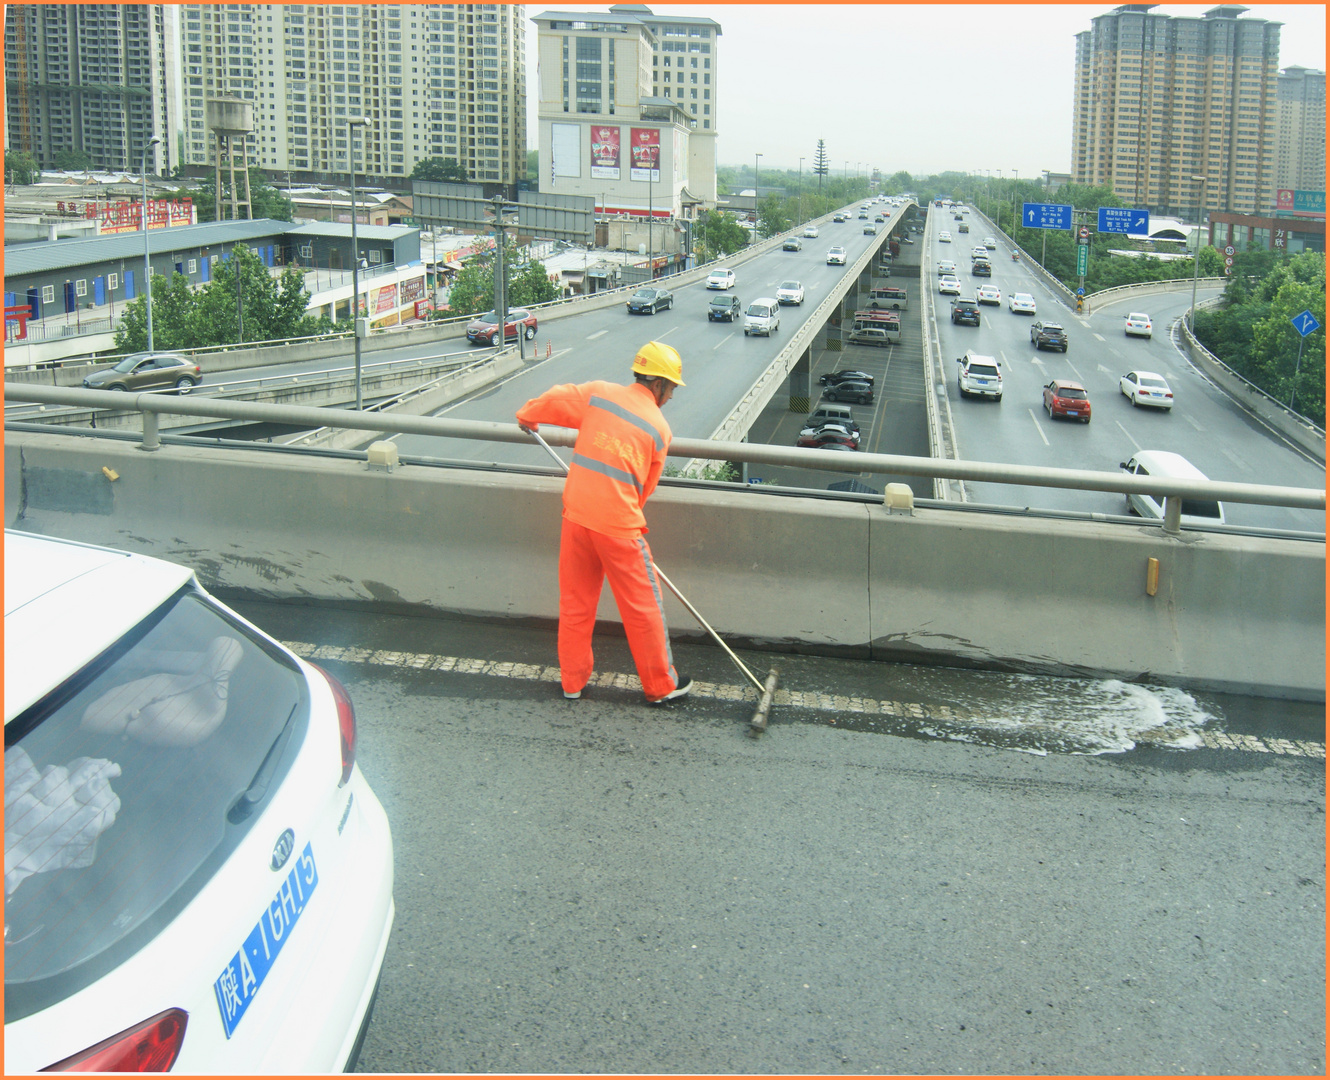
[1124,220]
[1305,323]
[1039,215]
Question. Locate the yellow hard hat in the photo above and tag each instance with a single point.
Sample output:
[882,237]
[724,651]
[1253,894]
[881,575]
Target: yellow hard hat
[659,361]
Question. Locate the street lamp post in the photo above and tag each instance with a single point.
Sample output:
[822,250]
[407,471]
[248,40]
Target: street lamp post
[755,214]
[1196,258]
[147,258]
[353,122]
[801,191]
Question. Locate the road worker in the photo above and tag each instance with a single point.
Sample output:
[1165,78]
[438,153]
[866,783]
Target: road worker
[620,453]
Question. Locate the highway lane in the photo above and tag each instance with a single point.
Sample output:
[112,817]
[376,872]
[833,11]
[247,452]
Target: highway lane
[720,363]
[1205,425]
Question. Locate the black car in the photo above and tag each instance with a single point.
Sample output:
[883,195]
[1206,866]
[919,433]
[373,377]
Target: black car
[724,308]
[965,311]
[835,378]
[1047,335]
[980,268]
[849,390]
[650,299]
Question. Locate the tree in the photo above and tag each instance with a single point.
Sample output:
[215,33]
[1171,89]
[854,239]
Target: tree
[772,217]
[715,233]
[71,160]
[440,170]
[271,309]
[820,165]
[533,164]
[528,282]
[20,167]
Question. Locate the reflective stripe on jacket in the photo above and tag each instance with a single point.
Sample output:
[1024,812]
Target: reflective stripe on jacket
[619,456]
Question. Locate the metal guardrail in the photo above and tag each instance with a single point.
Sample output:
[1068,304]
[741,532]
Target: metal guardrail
[1173,491]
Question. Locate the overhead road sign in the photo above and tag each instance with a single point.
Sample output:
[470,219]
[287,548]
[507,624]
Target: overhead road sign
[1035,215]
[1121,219]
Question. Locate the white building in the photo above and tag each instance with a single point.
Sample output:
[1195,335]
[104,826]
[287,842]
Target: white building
[1300,127]
[628,109]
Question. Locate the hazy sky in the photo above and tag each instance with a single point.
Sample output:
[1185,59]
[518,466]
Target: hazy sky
[920,87]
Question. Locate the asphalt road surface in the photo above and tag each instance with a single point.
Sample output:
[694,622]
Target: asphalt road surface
[913,871]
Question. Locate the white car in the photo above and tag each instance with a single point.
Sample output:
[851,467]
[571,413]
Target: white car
[978,252]
[722,278]
[1138,325]
[836,256]
[790,292]
[197,875]
[1022,303]
[1146,388]
[944,237]
[988,294]
[980,375]
[946,266]
[810,231]
[990,243]
[949,285]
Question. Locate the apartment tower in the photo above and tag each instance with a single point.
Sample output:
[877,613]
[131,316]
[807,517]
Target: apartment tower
[1300,127]
[1160,99]
[431,80]
[100,78]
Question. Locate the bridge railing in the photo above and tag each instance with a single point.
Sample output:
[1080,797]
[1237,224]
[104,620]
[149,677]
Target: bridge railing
[1173,491]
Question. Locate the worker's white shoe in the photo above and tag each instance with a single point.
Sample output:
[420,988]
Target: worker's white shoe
[680,691]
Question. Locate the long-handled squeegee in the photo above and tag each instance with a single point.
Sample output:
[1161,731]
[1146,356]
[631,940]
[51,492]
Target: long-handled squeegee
[766,691]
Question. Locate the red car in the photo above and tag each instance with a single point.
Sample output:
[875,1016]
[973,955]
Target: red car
[828,436]
[1064,398]
[484,329]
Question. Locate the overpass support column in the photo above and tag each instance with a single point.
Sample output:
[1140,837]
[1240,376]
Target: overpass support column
[799,381]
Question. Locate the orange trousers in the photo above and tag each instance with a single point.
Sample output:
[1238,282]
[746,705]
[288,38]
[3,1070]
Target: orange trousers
[586,559]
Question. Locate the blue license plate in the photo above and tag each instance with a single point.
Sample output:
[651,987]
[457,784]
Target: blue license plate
[240,980]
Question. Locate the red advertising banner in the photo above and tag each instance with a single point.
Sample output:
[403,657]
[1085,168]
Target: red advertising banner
[645,150]
[387,299]
[413,290]
[604,152]
[128,216]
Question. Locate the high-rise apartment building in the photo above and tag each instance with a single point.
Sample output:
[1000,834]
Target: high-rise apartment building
[1160,99]
[629,109]
[431,80]
[100,78]
[1300,127]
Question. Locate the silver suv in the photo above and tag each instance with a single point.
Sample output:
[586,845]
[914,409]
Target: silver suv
[980,375]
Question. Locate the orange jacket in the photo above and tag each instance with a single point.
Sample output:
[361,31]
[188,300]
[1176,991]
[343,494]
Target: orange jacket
[620,452]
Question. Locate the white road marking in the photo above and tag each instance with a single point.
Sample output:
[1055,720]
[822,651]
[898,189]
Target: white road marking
[1072,366]
[1192,421]
[1106,371]
[1100,337]
[722,341]
[1239,462]
[598,333]
[1128,434]
[662,337]
[1038,426]
[810,700]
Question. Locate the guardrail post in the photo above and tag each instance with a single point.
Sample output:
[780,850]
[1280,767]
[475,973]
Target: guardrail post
[1172,514]
[151,441]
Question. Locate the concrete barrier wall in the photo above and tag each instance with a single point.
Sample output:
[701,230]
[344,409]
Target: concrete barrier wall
[944,586]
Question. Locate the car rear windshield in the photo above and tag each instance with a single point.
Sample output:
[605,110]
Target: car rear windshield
[1155,384]
[1206,508]
[983,369]
[1070,392]
[129,784]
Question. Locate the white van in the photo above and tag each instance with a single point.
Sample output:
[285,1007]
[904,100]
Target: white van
[1165,464]
[763,316]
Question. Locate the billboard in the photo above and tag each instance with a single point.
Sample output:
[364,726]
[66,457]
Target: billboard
[604,152]
[123,217]
[565,150]
[644,147]
[1288,201]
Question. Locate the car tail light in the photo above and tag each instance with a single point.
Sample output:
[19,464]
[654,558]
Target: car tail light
[151,1046]
[346,722]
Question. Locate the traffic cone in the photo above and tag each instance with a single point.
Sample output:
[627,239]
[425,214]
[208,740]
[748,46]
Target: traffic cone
[549,349]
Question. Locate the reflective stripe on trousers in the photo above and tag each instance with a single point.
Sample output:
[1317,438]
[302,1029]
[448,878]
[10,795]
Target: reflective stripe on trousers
[586,559]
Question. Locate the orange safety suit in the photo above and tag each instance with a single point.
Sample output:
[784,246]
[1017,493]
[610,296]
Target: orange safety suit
[620,453]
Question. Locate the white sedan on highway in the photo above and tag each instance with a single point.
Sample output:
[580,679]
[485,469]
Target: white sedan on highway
[949,285]
[944,237]
[1138,325]
[722,278]
[836,256]
[790,292]
[810,231]
[1146,388]
[1022,303]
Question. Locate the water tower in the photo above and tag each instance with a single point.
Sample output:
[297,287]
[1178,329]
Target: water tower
[231,119]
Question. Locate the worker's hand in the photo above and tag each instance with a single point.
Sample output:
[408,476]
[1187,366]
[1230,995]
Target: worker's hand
[530,429]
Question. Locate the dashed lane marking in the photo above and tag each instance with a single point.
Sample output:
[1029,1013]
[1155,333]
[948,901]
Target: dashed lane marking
[817,702]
